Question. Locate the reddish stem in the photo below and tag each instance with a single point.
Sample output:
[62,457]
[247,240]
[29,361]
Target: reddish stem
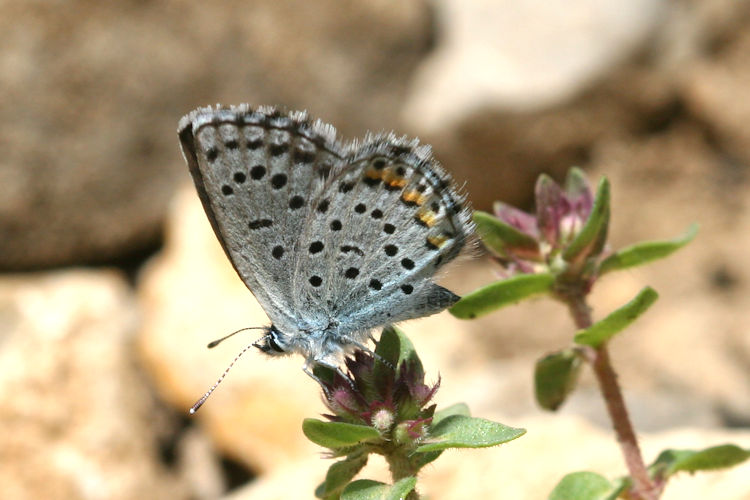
[643,487]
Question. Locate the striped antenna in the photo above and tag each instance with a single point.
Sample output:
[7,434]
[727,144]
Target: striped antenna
[216,342]
[203,398]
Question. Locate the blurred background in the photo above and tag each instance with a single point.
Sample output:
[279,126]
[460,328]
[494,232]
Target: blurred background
[112,281]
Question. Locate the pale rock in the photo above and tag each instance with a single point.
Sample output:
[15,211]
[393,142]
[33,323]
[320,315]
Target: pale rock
[92,93]
[77,415]
[717,90]
[522,56]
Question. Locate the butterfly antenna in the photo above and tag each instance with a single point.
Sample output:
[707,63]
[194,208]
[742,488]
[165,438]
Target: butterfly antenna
[216,342]
[216,384]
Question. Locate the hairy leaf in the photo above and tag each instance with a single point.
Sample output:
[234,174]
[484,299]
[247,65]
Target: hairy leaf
[555,376]
[501,293]
[458,431]
[367,489]
[642,253]
[337,434]
[603,330]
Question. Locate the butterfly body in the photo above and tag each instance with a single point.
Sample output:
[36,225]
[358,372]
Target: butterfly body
[333,238]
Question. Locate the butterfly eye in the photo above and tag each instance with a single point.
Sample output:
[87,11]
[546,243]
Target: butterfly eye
[273,344]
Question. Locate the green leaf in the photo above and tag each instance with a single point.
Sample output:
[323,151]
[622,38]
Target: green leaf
[717,457]
[439,416]
[388,347]
[555,376]
[618,486]
[641,253]
[454,409]
[499,236]
[337,434]
[603,330]
[590,241]
[585,486]
[423,459]
[339,475]
[458,431]
[501,293]
[403,349]
[324,373]
[367,489]
[395,348]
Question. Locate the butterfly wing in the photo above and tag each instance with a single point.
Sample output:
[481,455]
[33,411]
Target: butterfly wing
[256,172]
[398,220]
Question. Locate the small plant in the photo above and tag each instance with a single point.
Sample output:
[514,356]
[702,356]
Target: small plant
[561,251]
[383,405]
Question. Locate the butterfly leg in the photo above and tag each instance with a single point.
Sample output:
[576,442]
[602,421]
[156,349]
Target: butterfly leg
[306,368]
[310,373]
[322,385]
[375,355]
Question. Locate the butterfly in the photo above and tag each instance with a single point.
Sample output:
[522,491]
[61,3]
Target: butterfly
[333,238]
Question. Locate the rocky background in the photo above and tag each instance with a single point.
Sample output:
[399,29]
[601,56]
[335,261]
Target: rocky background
[113,283]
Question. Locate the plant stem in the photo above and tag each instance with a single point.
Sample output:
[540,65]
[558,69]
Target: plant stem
[643,487]
[401,467]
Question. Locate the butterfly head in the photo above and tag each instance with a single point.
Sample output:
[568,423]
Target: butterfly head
[272,343]
[322,346]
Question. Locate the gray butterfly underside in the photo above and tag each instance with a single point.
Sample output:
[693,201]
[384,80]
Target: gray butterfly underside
[333,239]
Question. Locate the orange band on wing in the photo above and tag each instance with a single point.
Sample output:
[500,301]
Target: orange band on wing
[413,197]
[438,240]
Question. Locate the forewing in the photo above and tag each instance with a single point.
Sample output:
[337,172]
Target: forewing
[257,172]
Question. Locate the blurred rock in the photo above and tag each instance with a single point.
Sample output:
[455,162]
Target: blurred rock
[521,470]
[661,184]
[92,94]
[199,465]
[295,479]
[523,56]
[78,420]
[717,91]
[89,144]
[516,89]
